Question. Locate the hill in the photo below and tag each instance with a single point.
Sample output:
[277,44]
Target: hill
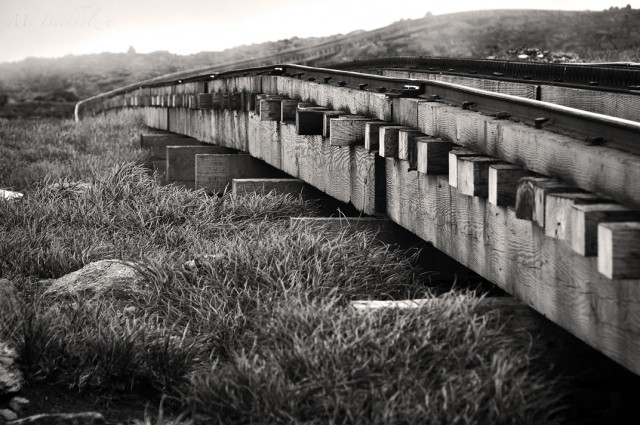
[51,86]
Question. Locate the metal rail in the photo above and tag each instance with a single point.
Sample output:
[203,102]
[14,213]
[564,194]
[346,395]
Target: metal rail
[593,128]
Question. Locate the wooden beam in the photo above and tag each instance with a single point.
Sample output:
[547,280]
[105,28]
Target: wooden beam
[235,101]
[585,220]
[309,120]
[205,101]
[293,187]
[288,111]
[433,155]
[157,143]
[619,250]
[215,172]
[270,109]
[181,161]
[389,136]
[347,131]
[326,121]
[454,155]
[559,212]
[407,146]
[503,183]
[473,175]
[372,134]
[531,197]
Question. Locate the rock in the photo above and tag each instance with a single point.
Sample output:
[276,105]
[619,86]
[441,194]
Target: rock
[9,195]
[17,404]
[86,418]
[114,278]
[8,297]
[7,415]
[10,375]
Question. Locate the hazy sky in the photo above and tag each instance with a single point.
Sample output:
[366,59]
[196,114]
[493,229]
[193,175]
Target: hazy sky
[51,28]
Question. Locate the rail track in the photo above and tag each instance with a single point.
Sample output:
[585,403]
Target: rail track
[538,197]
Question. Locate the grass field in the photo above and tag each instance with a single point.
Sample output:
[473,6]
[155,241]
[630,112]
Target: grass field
[260,331]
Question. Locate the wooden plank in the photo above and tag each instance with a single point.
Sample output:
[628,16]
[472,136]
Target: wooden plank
[586,218]
[215,172]
[503,183]
[388,140]
[619,250]
[347,131]
[531,197]
[326,121]
[235,101]
[559,212]
[294,187]
[473,175]
[363,179]
[407,146]
[205,101]
[181,161]
[454,155]
[372,134]
[433,155]
[310,121]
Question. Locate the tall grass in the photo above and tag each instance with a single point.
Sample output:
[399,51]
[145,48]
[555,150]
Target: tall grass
[243,319]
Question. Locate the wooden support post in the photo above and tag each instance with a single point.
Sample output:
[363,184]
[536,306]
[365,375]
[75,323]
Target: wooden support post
[309,120]
[585,219]
[559,212]
[215,172]
[326,121]
[347,131]
[372,134]
[473,175]
[292,187]
[531,197]
[407,146]
[288,110]
[157,143]
[181,162]
[619,250]
[388,140]
[454,154]
[433,155]
[503,183]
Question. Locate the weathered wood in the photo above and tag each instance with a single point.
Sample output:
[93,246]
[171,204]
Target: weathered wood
[531,197]
[388,140]
[455,154]
[326,121]
[215,172]
[407,146]
[288,111]
[473,175]
[347,131]
[433,155]
[503,183]
[157,143]
[585,220]
[619,250]
[294,187]
[205,101]
[181,161]
[559,212]
[310,121]
[372,134]
[270,109]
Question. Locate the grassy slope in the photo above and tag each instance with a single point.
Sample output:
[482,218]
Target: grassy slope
[260,331]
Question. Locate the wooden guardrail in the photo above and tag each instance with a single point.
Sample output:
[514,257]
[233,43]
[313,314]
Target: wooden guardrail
[530,204]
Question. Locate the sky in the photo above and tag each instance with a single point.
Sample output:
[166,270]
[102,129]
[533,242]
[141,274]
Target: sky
[54,28]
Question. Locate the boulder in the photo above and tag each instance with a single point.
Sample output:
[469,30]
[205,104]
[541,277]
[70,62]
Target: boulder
[10,375]
[9,195]
[113,278]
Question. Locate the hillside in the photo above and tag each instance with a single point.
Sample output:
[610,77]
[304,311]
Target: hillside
[51,86]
